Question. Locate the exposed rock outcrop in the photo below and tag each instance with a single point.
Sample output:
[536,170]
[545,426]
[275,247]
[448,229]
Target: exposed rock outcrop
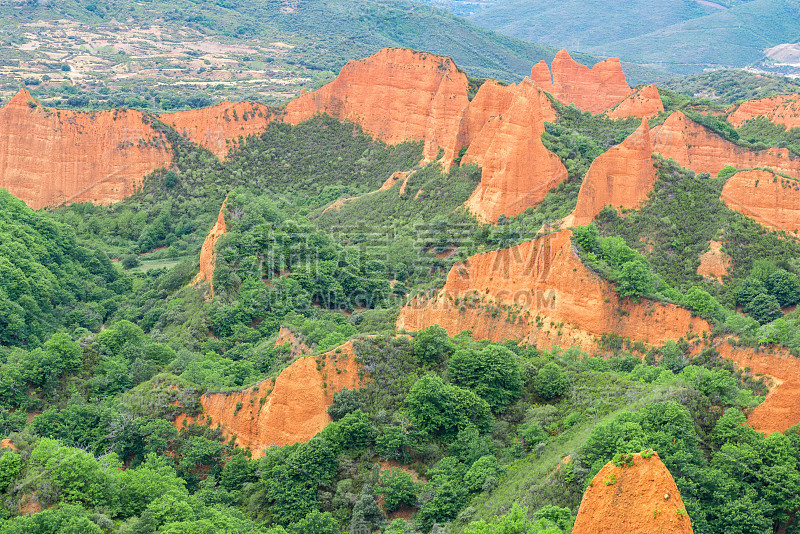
[292,408]
[781,109]
[697,148]
[50,156]
[633,499]
[714,263]
[208,253]
[781,409]
[395,95]
[504,130]
[643,102]
[540,293]
[622,177]
[215,127]
[765,197]
[592,89]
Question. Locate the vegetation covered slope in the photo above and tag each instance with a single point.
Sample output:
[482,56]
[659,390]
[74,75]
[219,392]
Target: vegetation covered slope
[680,37]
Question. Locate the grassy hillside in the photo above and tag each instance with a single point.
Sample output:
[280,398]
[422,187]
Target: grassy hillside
[681,37]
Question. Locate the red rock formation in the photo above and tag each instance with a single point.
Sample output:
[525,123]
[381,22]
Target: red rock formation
[622,178]
[714,263]
[6,443]
[781,109]
[292,408]
[215,127]
[540,293]
[697,148]
[50,156]
[592,89]
[395,95]
[765,197]
[633,499]
[518,170]
[781,409]
[208,253]
[643,102]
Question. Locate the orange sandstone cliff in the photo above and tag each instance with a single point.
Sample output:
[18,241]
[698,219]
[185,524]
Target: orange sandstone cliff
[697,148]
[518,170]
[50,156]
[215,127]
[208,252]
[540,293]
[781,409]
[622,177]
[765,197]
[292,408]
[643,102]
[633,499]
[395,95]
[592,89]
[781,109]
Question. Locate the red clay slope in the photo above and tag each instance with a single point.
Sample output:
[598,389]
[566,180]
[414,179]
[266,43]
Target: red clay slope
[395,95]
[215,127]
[697,148]
[781,109]
[518,170]
[765,197]
[540,293]
[50,156]
[591,89]
[781,409]
[293,408]
[622,177]
[643,102]
[638,499]
[208,253]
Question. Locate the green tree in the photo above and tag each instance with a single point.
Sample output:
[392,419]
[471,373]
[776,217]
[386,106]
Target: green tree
[764,308]
[784,286]
[67,352]
[551,381]
[635,279]
[701,302]
[747,290]
[344,402]
[444,409]
[397,488]
[433,345]
[493,373]
[315,522]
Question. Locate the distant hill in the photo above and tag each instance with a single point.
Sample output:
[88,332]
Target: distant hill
[683,36]
[235,50]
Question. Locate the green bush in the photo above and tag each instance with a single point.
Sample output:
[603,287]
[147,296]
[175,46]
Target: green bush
[551,381]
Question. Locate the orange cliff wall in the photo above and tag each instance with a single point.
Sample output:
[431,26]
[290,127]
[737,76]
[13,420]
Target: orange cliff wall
[781,109]
[699,149]
[592,89]
[540,293]
[215,127]
[395,95]
[781,409]
[294,407]
[643,102]
[767,198]
[518,170]
[622,177]
[50,156]
[208,253]
[643,499]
